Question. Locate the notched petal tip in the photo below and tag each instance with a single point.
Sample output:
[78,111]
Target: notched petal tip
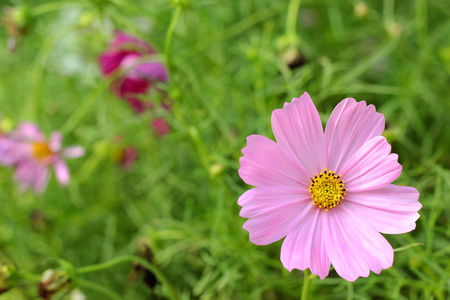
[304,97]
[371,167]
[356,248]
[288,266]
[296,101]
[350,125]
[298,129]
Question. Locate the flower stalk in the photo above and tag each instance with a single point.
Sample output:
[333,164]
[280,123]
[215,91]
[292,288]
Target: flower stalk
[173,294]
[291,21]
[306,284]
[169,36]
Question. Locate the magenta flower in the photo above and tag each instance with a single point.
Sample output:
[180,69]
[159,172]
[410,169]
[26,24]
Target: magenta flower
[328,192]
[131,56]
[128,156]
[5,148]
[32,155]
[160,126]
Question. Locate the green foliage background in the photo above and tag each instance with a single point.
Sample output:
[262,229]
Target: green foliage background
[227,75]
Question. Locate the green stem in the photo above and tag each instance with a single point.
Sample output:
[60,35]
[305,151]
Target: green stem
[85,106]
[52,6]
[306,282]
[408,246]
[29,276]
[422,22]
[35,103]
[169,36]
[291,21]
[131,258]
[388,13]
[98,288]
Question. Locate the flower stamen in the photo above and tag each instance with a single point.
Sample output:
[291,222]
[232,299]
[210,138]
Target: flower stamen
[327,189]
[41,151]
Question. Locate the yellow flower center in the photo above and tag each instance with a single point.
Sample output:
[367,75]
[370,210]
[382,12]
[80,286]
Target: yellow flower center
[327,189]
[41,151]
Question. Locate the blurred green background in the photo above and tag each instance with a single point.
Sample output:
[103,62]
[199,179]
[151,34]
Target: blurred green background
[229,63]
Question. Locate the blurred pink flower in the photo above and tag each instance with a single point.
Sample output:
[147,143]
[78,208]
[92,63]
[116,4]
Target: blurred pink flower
[128,156]
[32,155]
[328,192]
[7,150]
[4,147]
[160,126]
[130,55]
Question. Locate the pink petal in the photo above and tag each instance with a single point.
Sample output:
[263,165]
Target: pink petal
[354,247]
[371,167]
[62,172]
[124,41]
[273,212]
[29,173]
[351,124]
[258,201]
[28,131]
[73,152]
[305,246]
[110,61]
[298,129]
[55,141]
[391,209]
[130,61]
[265,163]
[11,151]
[131,86]
[136,104]
[25,171]
[40,180]
[150,71]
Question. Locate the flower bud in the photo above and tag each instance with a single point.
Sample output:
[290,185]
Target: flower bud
[8,277]
[394,29]
[77,295]
[293,57]
[289,51]
[53,281]
[216,168]
[6,125]
[149,278]
[86,19]
[16,21]
[361,9]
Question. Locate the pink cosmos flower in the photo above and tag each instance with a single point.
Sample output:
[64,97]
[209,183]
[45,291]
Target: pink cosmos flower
[3,148]
[328,192]
[160,126]
[127,157]
[32,155]
[128,54]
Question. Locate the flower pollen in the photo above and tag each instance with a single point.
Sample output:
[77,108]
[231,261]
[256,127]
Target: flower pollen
[327,189]
[41,151]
